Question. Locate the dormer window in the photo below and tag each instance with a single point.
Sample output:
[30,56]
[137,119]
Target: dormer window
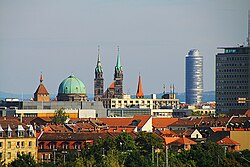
[1,131]
[30,131]
[9,131]
[20,131]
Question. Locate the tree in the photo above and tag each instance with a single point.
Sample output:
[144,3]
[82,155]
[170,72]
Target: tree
[23,160]
[60,116]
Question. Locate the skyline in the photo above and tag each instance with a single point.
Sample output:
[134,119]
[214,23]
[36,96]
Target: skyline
[154,38]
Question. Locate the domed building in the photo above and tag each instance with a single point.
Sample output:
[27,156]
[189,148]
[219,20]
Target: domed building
[72,89]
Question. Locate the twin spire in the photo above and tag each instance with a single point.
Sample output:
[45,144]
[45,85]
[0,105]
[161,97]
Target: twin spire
[118,67]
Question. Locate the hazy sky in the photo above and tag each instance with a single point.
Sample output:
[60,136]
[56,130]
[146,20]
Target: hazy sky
[60,37]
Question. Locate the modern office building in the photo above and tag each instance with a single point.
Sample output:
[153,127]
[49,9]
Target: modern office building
[194,77]
[233,79]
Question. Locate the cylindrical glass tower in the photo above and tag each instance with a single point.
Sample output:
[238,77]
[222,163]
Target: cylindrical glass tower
[194,77]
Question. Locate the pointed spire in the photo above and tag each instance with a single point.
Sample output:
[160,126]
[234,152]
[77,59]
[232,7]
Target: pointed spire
[139,93]
[41,78]
[98,65]
[118,62]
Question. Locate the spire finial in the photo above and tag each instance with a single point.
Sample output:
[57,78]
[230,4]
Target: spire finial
[118,63]
[41,77]
[139,93]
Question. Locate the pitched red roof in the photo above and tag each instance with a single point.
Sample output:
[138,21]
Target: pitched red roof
[227,141]
[139,92]
[112,85]
[183,140]
[125,122]
[41,90]
[163,122]
[247,113]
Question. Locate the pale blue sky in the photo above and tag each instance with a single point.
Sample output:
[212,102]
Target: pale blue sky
[60,37]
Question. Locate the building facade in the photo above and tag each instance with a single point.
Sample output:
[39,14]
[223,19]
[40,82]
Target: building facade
[232,79]
[194,77]
[15,139]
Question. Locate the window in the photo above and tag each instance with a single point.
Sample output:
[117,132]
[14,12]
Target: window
[18,144]
[9,155]
[20,134]
[1,134]
[9,134]
[30,143]
[1,156]
[1,144]
[22,144]
[9,144]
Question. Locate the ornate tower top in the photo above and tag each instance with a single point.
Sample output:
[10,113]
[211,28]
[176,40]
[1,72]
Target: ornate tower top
[118,66]
[41,78]
[98,65]
[139,93]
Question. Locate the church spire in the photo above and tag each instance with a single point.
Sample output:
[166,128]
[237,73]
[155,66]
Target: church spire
[98,65]
[118,66]
[139,93]
[41,78]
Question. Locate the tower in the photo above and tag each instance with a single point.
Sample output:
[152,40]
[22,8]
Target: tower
[41,94]
[98,81]
[232,80]
[118,78]
[139,93]
[194,77]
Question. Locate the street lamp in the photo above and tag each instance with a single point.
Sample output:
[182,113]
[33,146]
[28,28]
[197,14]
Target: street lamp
[64,153]
[54,150]
[157,150]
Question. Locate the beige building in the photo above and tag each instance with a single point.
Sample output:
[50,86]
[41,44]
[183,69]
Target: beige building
[152,103]
[16,138]
[242,137]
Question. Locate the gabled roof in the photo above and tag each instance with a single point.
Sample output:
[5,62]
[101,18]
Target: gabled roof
[163,122]
[247,113]
[72,136]
[187,122]
[227,141]
[183,140]
[112,85]
[41,90]
[137,121]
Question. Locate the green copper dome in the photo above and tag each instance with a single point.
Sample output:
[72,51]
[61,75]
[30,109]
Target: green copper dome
[72,85]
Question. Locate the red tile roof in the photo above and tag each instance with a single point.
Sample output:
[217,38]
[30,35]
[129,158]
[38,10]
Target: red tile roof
[112,85]
[247,113]
[125,122]
[227,141]
[41,90]
[187,122]
[183,140]
[163,122]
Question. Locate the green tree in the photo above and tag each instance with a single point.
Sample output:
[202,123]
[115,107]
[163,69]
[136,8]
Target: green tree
[60,116]
[23,160]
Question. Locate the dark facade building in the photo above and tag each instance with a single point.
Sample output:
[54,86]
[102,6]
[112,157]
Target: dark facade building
[233,79]
[98,81]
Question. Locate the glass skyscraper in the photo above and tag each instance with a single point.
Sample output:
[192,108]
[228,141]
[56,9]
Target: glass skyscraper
[194,77]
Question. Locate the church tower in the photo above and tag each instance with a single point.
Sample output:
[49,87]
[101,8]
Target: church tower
[118,78]
[41,94]
[98,81]
[139,93]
